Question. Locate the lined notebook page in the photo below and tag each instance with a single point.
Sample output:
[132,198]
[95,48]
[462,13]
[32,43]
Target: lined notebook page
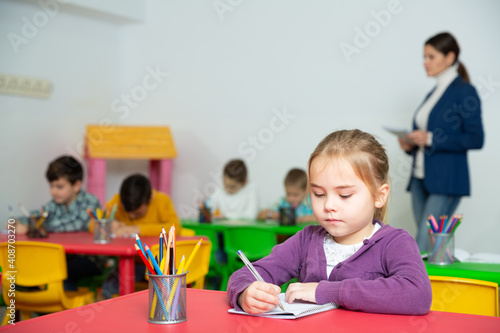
[292,311]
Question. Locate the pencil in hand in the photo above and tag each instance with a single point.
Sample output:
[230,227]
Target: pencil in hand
[253,270]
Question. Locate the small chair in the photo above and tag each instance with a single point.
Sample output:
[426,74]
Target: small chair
[186,232]
[198,268]
[254,243]
[218,263]
[40,271]
[461,295]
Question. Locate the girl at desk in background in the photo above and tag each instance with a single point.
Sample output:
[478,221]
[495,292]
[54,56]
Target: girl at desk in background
[352,258]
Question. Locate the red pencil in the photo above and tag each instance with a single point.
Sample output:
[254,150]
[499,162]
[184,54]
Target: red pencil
[146,262]
[91,214]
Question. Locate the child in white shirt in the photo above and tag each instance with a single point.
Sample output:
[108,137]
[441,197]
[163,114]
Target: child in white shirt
[238,198]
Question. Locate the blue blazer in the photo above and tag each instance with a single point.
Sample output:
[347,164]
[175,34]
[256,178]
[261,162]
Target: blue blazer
[456,126]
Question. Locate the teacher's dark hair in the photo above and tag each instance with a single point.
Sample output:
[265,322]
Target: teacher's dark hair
[445,43]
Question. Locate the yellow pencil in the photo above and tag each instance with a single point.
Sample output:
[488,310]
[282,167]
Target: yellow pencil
[176,282]
[151,315]
[191,256]
[162,264]
[42,219]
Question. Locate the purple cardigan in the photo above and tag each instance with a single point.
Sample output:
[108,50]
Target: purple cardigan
[386,275]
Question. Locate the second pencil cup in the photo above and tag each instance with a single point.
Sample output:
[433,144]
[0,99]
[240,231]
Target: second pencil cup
[35,230]
[287,216]
[102,231]
[167,299]
[205,215]
[441,249]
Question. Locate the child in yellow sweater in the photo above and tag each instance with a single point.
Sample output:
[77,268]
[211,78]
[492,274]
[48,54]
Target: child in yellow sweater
[141,210]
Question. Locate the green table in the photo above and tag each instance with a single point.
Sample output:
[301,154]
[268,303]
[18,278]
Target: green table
[221,225]
[215,231]
[469,270]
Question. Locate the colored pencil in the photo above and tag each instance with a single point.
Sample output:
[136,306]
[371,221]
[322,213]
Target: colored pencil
[173,247]
[166,269]
[433,222]
[160,249]
[176,282]
[146,262]
[252,269]
[138,241]
[113,212]
[192,255]
[153,260]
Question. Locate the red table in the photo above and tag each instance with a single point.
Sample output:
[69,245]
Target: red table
[207,312]
[83,243]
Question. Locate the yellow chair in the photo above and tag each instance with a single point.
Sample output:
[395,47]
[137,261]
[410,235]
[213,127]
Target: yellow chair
[186,232]
[199,266]
[461,295]
[40,271]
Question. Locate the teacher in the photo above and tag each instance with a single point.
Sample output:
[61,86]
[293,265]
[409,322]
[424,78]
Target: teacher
[445,126]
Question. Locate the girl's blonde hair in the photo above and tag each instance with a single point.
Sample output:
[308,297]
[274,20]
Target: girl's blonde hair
[366,156]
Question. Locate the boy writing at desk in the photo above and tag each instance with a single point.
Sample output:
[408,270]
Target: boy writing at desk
[67,212]
[296,198]
[141,210]
[352,258]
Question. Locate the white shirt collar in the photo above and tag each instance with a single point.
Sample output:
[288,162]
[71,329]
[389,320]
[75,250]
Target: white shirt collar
[448,75]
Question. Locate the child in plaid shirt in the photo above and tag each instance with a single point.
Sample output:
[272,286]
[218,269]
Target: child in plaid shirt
[67,212]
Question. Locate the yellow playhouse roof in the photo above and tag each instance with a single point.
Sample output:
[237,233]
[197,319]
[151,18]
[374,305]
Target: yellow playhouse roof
[129,142]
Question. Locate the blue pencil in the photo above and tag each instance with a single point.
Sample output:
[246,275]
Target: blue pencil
[153,260]
[138,240]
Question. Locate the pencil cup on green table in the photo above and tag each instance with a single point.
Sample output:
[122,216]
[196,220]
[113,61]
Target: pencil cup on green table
[205,214]
[102,231]
[167,299]
[441,248]
[287,216]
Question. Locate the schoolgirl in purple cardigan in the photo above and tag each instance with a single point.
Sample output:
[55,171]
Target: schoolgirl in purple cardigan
[351,258]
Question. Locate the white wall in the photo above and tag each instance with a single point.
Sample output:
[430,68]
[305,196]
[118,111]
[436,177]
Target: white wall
[231,70]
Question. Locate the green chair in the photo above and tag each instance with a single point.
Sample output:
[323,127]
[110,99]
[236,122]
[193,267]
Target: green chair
[217,269]
[254,243]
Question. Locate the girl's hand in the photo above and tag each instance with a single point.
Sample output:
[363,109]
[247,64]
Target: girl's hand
[259,297]
[419,137]
[302,291]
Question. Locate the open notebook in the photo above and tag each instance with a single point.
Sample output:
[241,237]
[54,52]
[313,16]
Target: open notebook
[292,311]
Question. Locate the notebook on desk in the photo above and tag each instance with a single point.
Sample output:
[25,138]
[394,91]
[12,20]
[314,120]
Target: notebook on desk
[292,311]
